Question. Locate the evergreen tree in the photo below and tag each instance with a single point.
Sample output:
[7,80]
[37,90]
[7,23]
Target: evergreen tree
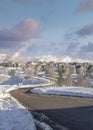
[60,79]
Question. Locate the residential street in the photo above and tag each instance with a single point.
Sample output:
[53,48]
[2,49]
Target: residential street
[73,112]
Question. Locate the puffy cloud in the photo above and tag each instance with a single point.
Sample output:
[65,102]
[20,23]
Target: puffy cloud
[85,31]
[23,31]
[85,5]
[18,38]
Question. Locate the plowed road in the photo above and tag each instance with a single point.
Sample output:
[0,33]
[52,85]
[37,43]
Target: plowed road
[73,112]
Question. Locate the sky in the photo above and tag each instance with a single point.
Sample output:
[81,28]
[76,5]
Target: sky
[32,28]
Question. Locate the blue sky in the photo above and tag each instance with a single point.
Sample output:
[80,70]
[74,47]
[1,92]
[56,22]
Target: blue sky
[41,27]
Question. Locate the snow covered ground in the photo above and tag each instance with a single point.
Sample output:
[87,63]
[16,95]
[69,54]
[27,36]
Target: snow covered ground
[14,116]
[63,90]
[16,80]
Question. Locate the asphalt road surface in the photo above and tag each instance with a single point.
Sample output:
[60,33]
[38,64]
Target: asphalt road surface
[73,112]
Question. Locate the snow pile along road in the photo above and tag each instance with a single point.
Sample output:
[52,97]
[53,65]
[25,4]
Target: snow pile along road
[14,116]
[63,90]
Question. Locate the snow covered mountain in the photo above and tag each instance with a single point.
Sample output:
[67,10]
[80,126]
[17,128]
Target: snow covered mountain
[67,59]
[46,58]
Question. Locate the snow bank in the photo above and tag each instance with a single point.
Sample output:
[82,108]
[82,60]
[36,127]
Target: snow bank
[14,116]
[69,91]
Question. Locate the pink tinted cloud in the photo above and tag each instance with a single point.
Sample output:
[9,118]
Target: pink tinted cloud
[26,29]
[85,5]
[23,31]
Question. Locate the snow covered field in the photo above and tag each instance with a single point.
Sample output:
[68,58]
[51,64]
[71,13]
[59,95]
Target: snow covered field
[63,90]
[14,116]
